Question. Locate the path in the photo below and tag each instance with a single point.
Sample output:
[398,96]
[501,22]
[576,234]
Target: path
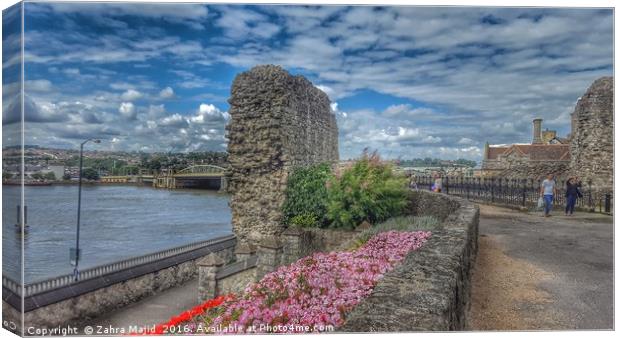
[536,273]
[152,310]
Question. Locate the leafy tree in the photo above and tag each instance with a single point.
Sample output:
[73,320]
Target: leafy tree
[66,176]
[37,176]
[306,196]
[50,176]
[6,175]
[90,174]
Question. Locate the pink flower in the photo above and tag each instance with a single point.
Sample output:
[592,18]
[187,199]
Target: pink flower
[321,288]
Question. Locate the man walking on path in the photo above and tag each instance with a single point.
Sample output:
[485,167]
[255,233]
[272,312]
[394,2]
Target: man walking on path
[547,191]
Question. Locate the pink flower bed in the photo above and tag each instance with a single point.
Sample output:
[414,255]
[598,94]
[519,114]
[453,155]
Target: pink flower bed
[315,293]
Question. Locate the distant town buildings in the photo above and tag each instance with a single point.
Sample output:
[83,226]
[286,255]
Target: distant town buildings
[587,152]
[547,153]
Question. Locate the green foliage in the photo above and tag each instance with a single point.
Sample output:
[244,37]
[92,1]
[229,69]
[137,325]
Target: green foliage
[367,191]
[6,175]
[306,196]
[66,176]
[50,176]
[90,174]
[304,220]
[37,176]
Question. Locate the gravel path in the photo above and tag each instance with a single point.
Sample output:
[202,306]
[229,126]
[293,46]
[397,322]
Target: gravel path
[536,273]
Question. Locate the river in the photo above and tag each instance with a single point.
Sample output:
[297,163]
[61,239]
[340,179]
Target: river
[117,222]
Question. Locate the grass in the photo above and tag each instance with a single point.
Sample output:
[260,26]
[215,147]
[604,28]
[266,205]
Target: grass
[400,223]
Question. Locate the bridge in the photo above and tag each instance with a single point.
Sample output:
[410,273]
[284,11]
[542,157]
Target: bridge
[197,176]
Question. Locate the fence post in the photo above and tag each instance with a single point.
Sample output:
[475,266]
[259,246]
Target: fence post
[523,193]
[269,256]
[590,206]
[492,189]
[467,183]
[447,183]
[243,251]
[207,271]
[607,203]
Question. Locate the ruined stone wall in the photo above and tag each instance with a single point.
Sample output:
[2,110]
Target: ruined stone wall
[536,170]
[278,122]
[592,139]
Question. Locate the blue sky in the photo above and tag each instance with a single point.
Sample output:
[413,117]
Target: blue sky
[408,81]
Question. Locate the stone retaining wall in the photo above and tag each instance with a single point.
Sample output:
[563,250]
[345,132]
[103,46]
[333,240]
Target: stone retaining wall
[430,289]
[277,122]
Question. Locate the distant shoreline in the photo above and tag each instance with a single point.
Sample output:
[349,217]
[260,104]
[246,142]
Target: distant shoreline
[44,184]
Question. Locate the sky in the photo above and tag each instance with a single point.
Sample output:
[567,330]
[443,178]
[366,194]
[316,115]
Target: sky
[407,81]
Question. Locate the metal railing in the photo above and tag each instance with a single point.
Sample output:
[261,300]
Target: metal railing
[517,192]
[98,271]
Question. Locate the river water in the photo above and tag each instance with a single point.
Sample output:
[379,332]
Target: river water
[117,222]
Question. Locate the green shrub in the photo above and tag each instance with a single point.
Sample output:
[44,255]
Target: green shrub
[306,196]
[304,221]
[367,191]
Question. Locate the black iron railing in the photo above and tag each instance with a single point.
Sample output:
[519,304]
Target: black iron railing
[517,192]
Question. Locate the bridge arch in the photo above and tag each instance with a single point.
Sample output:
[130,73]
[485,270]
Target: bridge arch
[201,170]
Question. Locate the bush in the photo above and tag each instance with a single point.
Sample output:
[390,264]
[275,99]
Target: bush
[367,191]
[306,196]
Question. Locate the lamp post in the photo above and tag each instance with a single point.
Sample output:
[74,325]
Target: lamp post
[75,253]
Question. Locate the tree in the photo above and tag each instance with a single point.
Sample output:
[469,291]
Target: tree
[66,176]
[6,175]
[90,174]
[50,176]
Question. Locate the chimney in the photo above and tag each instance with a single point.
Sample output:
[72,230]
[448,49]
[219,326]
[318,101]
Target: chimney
[537,131]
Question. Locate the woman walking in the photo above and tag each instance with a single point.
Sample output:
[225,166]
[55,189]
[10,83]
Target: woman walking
[572,193]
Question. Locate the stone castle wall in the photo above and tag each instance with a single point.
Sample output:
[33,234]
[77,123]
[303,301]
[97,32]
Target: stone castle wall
[278,122]
[593,136]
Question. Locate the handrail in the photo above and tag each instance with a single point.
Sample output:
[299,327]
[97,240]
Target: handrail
[100,270]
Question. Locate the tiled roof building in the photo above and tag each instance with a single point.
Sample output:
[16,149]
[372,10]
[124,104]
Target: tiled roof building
[546,154]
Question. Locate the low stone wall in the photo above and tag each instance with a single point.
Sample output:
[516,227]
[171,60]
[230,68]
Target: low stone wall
[299,243]
[430,289]
[86,299]
[215,278]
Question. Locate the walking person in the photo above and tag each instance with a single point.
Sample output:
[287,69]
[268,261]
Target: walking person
[572,193]
[413,184]
[548,190]
[438,182]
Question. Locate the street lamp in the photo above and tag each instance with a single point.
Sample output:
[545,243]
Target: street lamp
[75,253]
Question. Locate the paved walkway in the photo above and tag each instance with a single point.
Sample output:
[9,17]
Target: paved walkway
[152,310]
[536,273]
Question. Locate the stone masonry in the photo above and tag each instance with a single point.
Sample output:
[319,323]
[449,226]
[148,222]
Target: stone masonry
[592,153]
[278,122]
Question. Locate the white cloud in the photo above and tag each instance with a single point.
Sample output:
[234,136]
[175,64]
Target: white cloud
[131,95]
[166,93]
[127,110]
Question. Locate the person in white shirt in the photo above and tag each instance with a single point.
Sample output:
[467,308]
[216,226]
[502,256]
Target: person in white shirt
[548,190]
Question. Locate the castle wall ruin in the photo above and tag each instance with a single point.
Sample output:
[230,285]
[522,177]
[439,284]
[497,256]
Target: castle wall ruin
[592,153]
[278,122]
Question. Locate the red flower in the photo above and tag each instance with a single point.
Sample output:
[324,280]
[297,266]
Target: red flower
[187,315]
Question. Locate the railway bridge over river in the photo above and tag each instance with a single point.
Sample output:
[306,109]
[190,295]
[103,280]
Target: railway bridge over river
[197,176]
